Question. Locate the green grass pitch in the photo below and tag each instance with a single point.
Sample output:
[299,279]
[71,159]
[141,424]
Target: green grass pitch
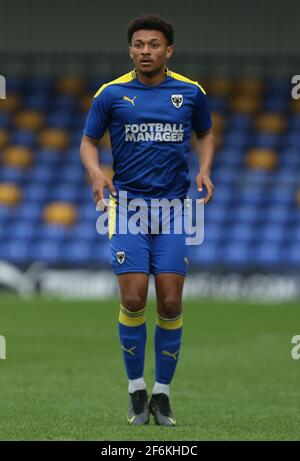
[64,379]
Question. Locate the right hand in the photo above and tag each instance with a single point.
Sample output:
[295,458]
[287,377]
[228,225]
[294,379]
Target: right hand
[99,183]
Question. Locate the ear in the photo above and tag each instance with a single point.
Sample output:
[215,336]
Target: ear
[130,52]
[169,51]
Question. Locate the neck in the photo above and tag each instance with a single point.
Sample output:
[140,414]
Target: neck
[151,79]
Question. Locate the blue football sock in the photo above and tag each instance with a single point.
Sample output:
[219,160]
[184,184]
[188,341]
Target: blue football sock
[132,333]
[167,346]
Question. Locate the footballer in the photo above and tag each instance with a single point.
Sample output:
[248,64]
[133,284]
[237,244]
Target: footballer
[150,113]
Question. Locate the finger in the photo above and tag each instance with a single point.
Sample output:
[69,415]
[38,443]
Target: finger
[199,184]
[210,191]
[111,188]
[101,205]
[98,194]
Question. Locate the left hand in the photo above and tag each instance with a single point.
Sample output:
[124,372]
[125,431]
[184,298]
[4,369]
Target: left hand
[203,179]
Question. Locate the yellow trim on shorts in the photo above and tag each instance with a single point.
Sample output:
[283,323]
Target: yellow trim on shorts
[112,216]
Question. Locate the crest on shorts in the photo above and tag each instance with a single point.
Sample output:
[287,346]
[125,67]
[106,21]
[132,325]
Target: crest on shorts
[177,100]
[121,256]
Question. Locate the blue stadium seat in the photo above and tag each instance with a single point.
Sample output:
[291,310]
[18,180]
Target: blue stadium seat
[11,174]
[15,251]
[5,120]
[265,254]
[217,103]
[240,122]
[78,252]
[29,211]
[22,230]
[236,139]
[275,103]
[204,255]
[272,233]
[267,140]
[35,191]
[23,137]
[216,213]
[59,119]
[53,232]
[48,251]
[64,192]
[235,254]
[239,232]
[212,232]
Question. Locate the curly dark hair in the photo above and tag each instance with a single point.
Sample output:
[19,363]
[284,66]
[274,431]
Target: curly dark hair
[151,22]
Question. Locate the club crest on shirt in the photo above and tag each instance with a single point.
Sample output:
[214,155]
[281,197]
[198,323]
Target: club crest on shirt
[120,257]
[177,100]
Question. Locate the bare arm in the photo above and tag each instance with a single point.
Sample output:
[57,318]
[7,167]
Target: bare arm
[90,160]
[205,148]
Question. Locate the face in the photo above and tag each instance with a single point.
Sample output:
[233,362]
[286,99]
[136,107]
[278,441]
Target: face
[149,51]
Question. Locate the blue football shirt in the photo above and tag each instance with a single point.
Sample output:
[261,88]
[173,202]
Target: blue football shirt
[150,129]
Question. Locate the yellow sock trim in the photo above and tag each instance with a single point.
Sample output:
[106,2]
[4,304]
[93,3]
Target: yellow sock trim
[169,324]
[131,319]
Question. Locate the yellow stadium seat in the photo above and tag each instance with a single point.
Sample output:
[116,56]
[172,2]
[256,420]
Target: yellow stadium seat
[18,156]
[273,123]
[71,85]
[218,121]
[10,194]
[29,120]
[249,86]
[3,138]
[219,87]
[54,138]
[298,197]
[86,101]
[11,103]
[245,104]
[60,213]
[218,140]
[262,158]
[295,106]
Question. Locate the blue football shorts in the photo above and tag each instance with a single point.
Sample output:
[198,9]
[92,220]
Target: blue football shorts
[148,240]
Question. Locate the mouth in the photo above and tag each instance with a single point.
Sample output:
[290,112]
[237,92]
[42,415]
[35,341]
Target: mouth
[146,61]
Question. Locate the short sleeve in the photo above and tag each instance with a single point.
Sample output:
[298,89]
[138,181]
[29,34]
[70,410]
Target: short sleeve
[98,116]
[201,120]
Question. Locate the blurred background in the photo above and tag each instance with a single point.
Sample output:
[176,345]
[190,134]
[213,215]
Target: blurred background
[236,377]
[55,55]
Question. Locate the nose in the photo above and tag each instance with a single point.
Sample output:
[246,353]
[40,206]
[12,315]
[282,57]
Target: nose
[146,49]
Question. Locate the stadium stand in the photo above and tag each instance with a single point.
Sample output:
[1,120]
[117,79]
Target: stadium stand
[46,205]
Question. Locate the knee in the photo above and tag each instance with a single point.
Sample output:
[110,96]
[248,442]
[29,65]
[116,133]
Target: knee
[134,302]
[169,308]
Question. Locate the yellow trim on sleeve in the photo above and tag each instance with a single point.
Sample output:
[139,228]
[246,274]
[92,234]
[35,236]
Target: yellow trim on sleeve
[185,79]
[123,79]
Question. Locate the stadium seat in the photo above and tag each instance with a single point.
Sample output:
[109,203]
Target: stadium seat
[29,120]
[262,158]
[4,137]
[253,221]
[10,194]
[219,87]
[71,85]
[60,213]
[17,156]
[271,122]
[54,138]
